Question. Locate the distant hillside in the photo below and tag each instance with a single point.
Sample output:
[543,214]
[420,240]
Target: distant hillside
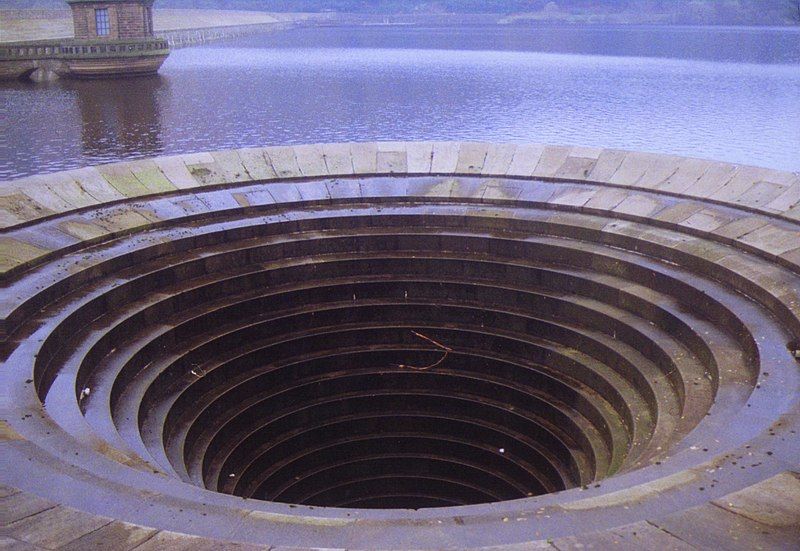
[718,12]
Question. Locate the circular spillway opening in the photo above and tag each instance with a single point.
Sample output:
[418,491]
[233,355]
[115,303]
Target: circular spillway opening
[361,361]
[402,354]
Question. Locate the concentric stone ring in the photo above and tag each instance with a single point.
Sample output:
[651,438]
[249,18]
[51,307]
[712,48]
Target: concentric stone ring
[402,346]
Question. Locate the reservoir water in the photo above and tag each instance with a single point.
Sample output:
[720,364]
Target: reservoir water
[731,94]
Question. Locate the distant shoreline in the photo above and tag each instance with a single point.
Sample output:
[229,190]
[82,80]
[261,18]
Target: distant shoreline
[38,24]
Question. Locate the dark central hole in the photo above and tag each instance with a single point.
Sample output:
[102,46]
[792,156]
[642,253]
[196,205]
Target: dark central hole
[395,367]
[400,400]
[399,388]
[403,428]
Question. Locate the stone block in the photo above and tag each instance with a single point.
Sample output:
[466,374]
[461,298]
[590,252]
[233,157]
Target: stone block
[679,212]
[256,163]
[120,220]
[284,193]
[21,505]
[14,253]
[116,536]
[47,237]
[760,194]
[460,188]
[55,527]
[9,219]
[91,181]
[774,502]
[632,168]
[311,160]
[82,230]
[608,162]
[151,177]
[772,239]
[527,546]
[365,157]
[740,227]
[525,159]
[576,168]
[123,180]
[639,205]
[6,491]
[313,191]
[706,220]
[445,157]
[172,541]
[748,268]
[338,160]
[793,213]
[343,189]
[537,192]
[552,158]
[744,178]
[792,257]
[203,157]
[39,193]
[498,159]
[17,208]
[607,198]
[68,189]
[9,544]
[702,248]
[634,537]
[174,169]
[660,170]
[789,198]
[501,192]
[714,178]
[471,157]
[284,162]
[712,527]
[218,200]
[583,152]
[226,168]
[383,187]
[688,173]
[573,196]
[391,161]
[255,197]
[420,157]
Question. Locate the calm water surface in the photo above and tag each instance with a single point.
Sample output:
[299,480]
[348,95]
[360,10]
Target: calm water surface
[726,93]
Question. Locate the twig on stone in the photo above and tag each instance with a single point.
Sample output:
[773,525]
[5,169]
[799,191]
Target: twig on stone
[433,342]
[438,345]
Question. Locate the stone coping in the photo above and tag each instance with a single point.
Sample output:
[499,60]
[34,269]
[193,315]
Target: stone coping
[769,191]
[753,209]
[773,194]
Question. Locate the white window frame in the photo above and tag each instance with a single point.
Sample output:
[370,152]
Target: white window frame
[102,22]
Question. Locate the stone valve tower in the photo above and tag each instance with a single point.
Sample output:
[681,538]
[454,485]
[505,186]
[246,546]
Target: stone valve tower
[113,38]
[112,19]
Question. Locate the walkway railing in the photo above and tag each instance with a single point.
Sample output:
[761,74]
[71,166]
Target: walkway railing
[71,49]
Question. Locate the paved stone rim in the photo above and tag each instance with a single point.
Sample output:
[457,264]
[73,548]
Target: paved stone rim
[748,213]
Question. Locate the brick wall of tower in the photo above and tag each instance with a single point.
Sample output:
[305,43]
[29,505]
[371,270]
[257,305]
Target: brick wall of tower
[126,20]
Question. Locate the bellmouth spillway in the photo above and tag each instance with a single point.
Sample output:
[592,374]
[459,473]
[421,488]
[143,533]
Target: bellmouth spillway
[402,345]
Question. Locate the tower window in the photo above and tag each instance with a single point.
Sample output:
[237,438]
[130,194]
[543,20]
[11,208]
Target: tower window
[101,22]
